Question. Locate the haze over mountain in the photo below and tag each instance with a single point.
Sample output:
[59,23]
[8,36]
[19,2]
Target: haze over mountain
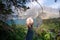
[35,11]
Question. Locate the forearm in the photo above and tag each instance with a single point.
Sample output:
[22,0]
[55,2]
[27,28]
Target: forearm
[29,35]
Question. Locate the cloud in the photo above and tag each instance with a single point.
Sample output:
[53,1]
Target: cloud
[34,3]
[52,4]
[55,5]
[42,1]
[47,3]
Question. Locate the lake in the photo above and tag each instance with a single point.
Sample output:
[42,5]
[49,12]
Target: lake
[19,22]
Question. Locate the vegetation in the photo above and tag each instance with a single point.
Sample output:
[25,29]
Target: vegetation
[18,32]
[48,31]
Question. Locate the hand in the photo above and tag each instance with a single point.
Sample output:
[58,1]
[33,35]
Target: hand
[29,22]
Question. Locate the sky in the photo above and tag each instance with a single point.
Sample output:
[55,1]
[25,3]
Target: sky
[47,3]
[32,5]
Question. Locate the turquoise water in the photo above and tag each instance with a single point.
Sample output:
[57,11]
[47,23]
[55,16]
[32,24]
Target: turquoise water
[20,22]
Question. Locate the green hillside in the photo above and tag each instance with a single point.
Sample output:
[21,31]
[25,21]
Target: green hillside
[47,31]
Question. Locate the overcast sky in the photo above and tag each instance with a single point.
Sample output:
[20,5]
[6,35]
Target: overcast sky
[48,3]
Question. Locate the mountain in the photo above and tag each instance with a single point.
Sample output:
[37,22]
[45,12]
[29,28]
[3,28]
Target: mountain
[50,13]
[34,12]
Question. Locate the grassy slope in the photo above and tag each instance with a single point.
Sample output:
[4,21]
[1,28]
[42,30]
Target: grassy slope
[50,24]
[47,26]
